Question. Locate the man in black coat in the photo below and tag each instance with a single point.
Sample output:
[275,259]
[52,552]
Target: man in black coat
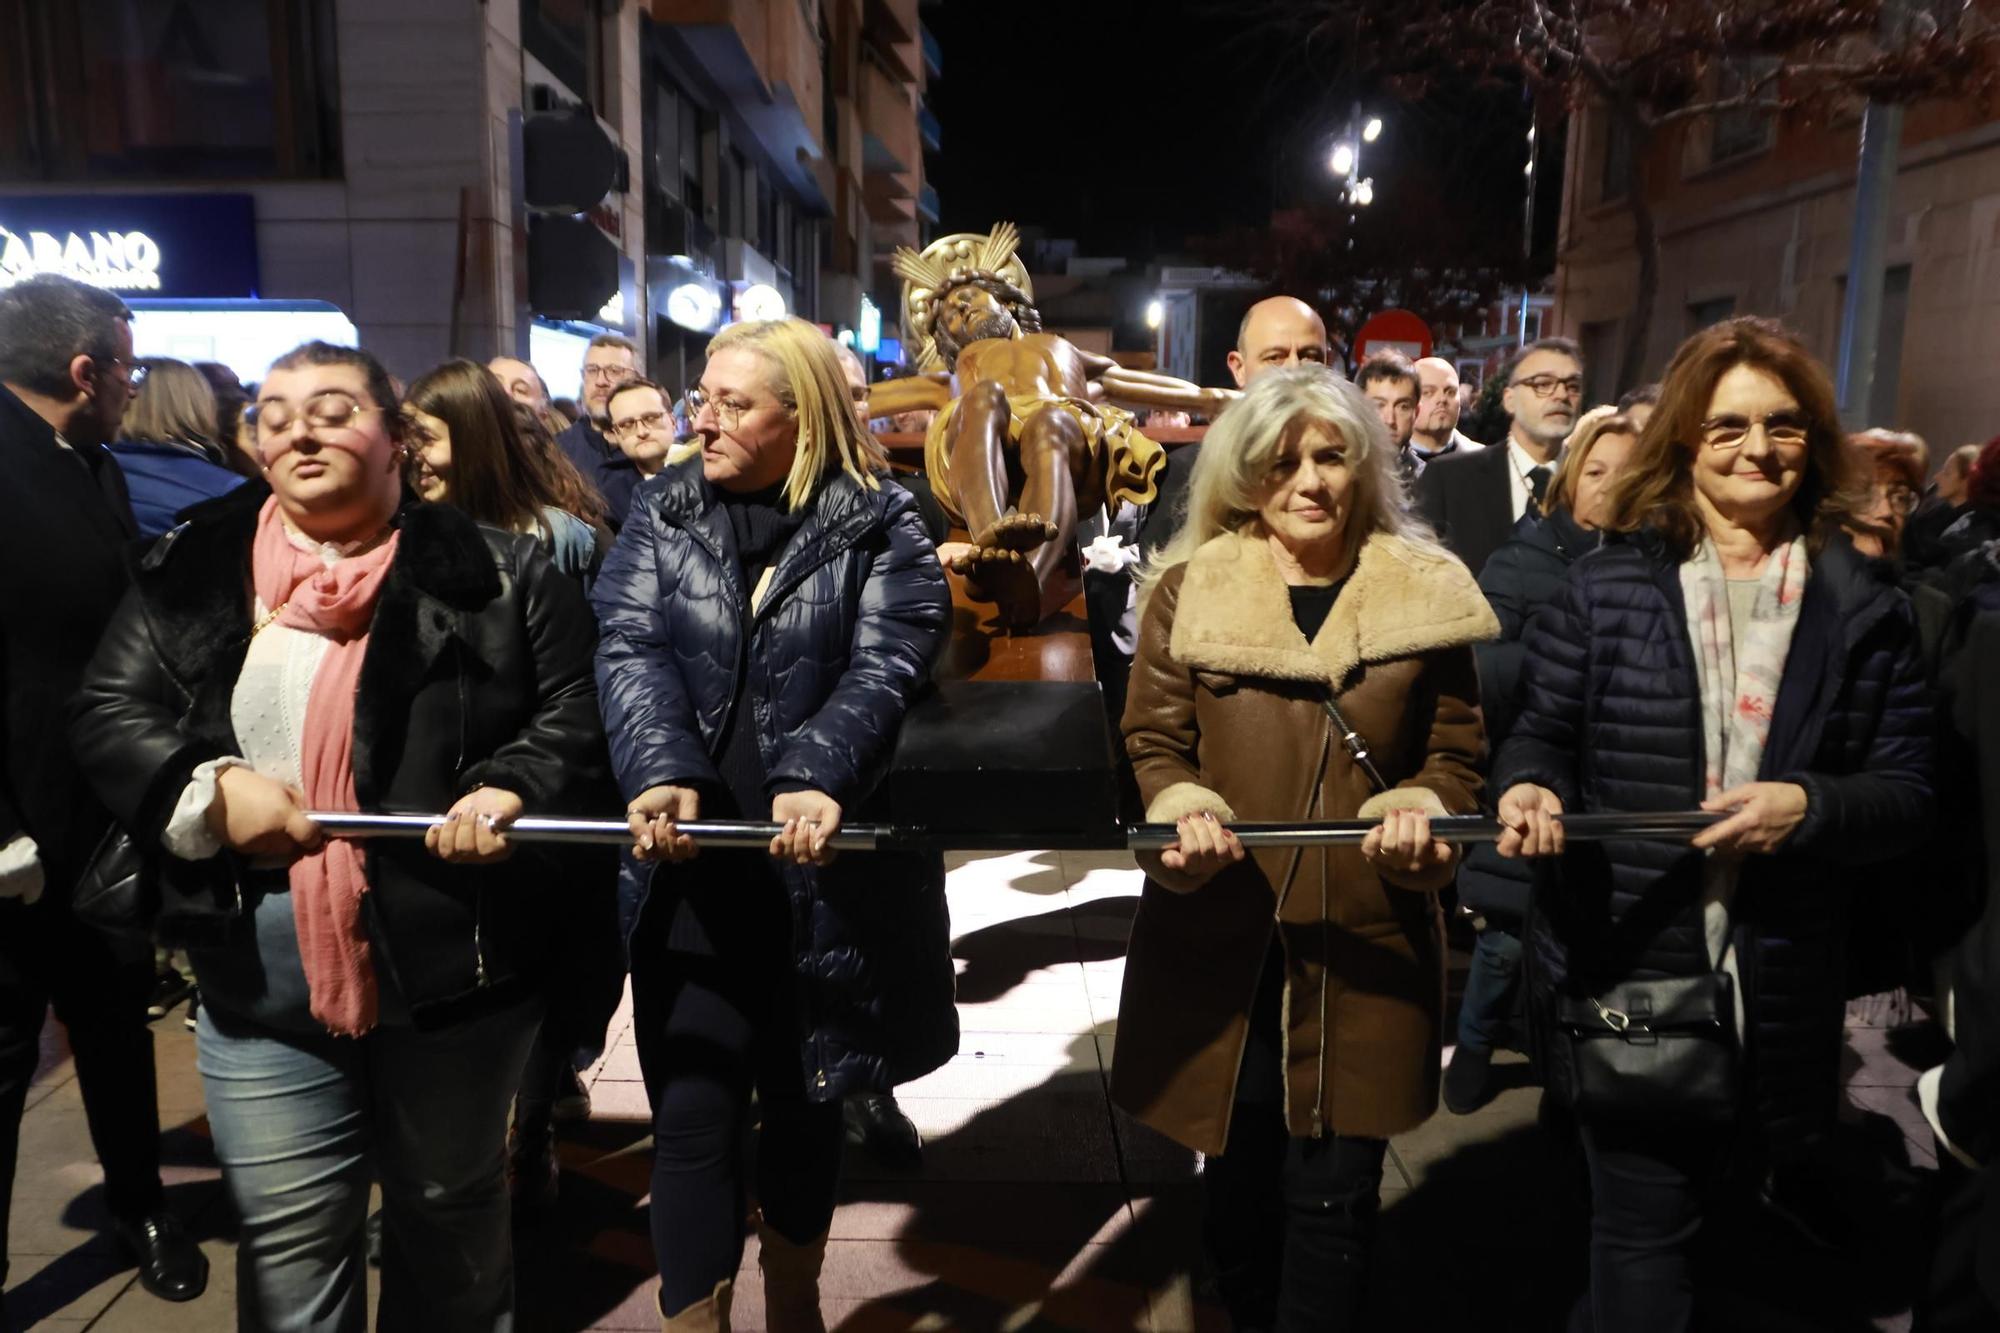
[65,382]
[1474,500]
[608,362]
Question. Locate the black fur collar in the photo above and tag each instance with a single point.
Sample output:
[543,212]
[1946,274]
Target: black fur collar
[196,576]
[195,583]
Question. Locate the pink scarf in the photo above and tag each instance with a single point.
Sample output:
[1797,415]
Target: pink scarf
[336,602]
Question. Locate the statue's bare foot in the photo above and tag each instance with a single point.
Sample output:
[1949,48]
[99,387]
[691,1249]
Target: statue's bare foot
[1015,532]
[1002,577]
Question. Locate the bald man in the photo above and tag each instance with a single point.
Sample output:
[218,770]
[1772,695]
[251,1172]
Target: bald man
[1277,333]
[1437,434]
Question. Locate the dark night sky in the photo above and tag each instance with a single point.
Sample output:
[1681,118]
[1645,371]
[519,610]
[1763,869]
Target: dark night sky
[1134,124]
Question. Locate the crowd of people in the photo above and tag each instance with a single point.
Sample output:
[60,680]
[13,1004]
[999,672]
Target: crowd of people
[229,608]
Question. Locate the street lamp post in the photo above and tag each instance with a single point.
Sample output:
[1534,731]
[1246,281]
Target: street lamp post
[1356,190]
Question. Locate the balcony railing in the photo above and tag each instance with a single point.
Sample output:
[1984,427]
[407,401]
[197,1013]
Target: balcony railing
[933,51]
[928,127]
[927,203]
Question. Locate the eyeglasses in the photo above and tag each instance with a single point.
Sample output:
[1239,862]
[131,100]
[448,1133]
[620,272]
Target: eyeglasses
[1785,430]
[612,373]
[1900,499]
[649,421]
[330,410]
[728,415]
[1545,386]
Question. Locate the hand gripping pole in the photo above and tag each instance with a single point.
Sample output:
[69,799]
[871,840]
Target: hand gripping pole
[1665,826]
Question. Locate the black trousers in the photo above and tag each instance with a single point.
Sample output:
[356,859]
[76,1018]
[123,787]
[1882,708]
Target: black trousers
[716,1017]
[47,958]
[1963,1293]
[1288,1222]
[1650,1187]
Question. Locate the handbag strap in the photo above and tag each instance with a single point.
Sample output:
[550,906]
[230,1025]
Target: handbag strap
[1350,740]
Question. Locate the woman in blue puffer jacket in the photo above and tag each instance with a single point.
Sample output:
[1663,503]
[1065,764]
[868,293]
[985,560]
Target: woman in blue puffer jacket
[766,616]
[1728,649]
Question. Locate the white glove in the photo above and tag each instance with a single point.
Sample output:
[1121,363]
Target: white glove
[21,870]
[1107,554]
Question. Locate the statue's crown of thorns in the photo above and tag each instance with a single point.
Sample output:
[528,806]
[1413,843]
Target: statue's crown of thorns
[964,259]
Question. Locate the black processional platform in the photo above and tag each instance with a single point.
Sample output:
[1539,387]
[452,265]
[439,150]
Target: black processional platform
[1013,741]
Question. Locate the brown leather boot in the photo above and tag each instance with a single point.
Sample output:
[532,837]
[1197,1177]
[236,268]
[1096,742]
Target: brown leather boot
[708,1315]
[791,1282]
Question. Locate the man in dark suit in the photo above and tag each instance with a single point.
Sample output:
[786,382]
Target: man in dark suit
[1474,500]
[608,362]
[65,382]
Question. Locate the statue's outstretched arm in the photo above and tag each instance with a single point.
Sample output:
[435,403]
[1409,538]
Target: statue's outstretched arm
[1139,388]
[911,394]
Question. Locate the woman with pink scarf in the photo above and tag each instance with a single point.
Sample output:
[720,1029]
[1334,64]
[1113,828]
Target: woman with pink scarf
[1728,649]
[328,644]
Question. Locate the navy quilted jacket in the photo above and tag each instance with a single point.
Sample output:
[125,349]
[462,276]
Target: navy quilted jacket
[1609,721]
[853,617]
[1518,580]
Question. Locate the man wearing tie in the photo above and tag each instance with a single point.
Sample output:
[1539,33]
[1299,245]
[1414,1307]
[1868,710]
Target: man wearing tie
[1474,500]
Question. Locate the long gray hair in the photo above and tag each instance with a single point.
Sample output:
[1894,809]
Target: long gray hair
[1232,473]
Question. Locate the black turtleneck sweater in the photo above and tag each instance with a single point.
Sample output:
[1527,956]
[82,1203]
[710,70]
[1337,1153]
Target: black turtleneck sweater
[760,526]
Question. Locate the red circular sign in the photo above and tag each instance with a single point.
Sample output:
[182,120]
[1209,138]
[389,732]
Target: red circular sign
[1393,330]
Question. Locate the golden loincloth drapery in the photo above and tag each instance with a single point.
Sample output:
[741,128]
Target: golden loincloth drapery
[1129,461]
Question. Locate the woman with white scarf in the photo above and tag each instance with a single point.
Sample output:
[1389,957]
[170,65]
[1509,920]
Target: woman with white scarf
[1727,649]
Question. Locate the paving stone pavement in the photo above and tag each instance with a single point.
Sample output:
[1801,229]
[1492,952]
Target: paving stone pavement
[1039,1205]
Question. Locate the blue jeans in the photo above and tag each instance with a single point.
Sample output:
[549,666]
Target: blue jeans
[1483,1015]
[304,1124]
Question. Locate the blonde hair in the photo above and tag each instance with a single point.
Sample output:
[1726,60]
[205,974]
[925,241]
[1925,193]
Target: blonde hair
[1232,471]
[809,382]
[1597,423]
[175,404]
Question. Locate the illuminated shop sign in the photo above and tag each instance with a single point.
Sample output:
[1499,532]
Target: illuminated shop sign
[194,245]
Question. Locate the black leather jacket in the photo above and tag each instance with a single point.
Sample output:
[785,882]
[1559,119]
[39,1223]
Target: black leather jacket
[478,672]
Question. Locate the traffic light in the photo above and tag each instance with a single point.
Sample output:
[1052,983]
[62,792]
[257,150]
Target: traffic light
[571,163]
[568,165]
[572,267]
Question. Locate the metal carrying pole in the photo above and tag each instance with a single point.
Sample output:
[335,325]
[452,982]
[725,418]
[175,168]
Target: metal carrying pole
[1669,826]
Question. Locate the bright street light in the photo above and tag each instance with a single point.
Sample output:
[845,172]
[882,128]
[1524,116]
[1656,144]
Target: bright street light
[1373,130]
[1155,312]
[1343,159]
[1364,193]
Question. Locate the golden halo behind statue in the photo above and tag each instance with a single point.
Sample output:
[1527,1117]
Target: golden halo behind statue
[925,273]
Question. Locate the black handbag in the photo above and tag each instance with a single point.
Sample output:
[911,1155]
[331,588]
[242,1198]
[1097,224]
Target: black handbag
[117,893]
[1653,1050]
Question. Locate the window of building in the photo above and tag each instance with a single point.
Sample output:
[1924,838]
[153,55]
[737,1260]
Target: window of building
[167,89]
[694,180]
[1744,131]
[1598,340]
[1702,314]
[1615,179]
[663,138]
[1886,394]
[565,36]
[767,217]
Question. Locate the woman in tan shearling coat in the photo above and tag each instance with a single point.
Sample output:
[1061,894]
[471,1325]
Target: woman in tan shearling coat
[1281,1008]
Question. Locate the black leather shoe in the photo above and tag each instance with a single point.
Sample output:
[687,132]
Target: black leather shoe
[572,1103]
[533,1173]
[171,1265]
[877,1126]
[1468,1083]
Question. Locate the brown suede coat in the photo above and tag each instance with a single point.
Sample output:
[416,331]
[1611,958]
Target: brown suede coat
[1225,714]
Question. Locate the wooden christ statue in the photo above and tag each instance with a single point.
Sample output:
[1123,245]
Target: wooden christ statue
[1038,429]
